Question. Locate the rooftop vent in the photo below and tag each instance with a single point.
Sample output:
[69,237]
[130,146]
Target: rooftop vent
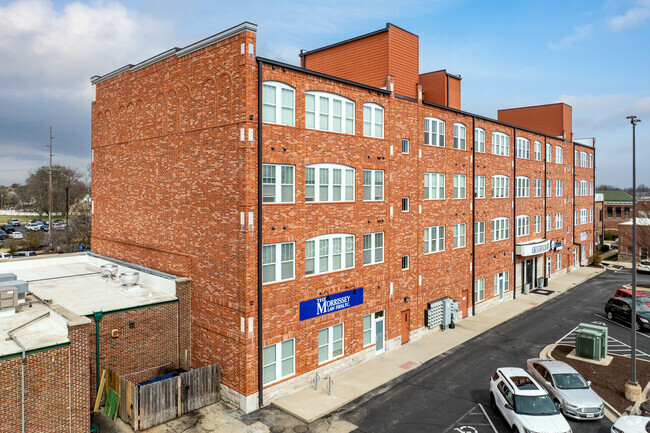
[109,271]
[8,297]
[129,279]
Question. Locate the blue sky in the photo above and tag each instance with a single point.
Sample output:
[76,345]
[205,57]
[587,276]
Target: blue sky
[592,55]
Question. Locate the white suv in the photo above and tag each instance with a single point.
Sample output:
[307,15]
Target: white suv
[524,404]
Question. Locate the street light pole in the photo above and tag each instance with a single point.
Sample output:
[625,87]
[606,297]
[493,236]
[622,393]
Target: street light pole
[634,121]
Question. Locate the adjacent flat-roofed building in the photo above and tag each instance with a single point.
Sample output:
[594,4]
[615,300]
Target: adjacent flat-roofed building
[617,208]
[330,204]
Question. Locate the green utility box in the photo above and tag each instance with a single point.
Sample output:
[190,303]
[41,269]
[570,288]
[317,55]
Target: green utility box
[588,344]
[602,330]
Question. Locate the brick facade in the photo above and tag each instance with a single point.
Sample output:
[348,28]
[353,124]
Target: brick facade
[176,142]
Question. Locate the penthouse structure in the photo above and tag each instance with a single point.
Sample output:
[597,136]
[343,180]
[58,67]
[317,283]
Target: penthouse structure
[331,205]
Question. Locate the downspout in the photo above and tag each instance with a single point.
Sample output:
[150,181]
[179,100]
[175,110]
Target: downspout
[260,378]
[593,198]
[574,201]
[514,220]
[447,77]
[22,365]
[545,213]
[474,215]
[97,316]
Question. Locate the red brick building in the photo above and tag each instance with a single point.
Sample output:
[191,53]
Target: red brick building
[378,195]
[617,208]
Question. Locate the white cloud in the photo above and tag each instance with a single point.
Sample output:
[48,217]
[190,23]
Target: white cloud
[579,33]
[634,17]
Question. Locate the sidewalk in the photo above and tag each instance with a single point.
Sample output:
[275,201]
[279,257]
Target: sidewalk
[308,405]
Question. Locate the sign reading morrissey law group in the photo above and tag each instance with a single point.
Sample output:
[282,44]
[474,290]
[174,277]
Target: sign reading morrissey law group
[323,305]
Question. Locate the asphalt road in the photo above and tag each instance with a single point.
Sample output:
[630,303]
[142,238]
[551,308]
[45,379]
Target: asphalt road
[450,393]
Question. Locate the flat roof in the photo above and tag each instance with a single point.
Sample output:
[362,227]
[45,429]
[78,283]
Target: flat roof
[50,330]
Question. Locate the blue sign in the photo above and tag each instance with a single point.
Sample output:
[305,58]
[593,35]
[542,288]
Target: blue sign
[327,304]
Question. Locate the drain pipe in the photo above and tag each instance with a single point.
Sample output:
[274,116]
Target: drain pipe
[22,365]
[474,217]
[260,367]
[97,316]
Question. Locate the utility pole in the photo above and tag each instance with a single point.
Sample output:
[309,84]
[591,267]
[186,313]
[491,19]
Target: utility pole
[49,212]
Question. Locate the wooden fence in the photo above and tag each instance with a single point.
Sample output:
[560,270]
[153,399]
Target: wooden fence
[155,403]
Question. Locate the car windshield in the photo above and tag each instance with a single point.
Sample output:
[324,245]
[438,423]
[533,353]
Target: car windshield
[642,306]
[535,405]
[570,381]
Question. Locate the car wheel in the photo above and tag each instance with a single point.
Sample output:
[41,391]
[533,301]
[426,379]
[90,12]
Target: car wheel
[610,316]
[637,326]
[515,429]
[493,403]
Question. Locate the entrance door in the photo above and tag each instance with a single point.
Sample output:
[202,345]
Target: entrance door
[379,332]
[406,325]
[529,272]
[499,285]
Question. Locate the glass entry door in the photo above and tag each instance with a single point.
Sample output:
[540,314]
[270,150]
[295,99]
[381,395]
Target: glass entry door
[379,332]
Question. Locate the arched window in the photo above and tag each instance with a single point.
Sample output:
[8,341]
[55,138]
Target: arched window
[500,228]
[373,120]
[500,186]
[459,136]
[500,144]
[278,101]
[434,132]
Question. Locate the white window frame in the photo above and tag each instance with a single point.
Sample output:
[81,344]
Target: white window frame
[434,237]
[558,261]
[479,290]
[538,151]
[460,189]
[460,136]
[374,188]
[549,222]
[347,184]
[501,278]
[522,148]
[591,215]
[559,188]
[558,220]
[373,247]
[479,232]
[549,152]
[405,204]
[500,186]
[279,360]
[405,261]
[279,171]
[559,158]
[431,137]
[538,223]
[522,186]
[549,188]
[522,225]
[576,158]
[279,260]
[330,343]
[479,186]
[583,159]
[591,188]
[591,160]
[346,116]
[346,240]
[500,144]
[479,138]
[278,108]
[430,188]
[459,235]
[373,318]
[372,125]
[538,187]
[500,229]
[584,216]
[584,188]
[406,144]
[576,188]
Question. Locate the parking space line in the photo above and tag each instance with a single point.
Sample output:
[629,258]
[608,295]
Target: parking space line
[618,324]
[487,417]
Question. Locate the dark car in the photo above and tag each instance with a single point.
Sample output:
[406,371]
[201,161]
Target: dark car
[3,235]
[8,228]
[621,309]
[45,227]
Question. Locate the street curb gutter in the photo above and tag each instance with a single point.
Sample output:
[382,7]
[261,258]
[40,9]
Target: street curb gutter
[611,413]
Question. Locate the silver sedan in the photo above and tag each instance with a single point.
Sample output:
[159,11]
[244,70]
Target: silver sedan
[570,392]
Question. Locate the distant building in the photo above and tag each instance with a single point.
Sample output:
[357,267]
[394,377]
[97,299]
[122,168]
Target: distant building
[617,208]
[598,218]
[625,249]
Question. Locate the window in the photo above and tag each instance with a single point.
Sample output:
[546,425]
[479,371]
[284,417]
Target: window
[549,222]
[369,327]
[558,220]
[434,239]
[610,212]
[479,290]
[591,216]
[584,216]
[500,186]
[583,159]
[479,186]
[548,266]
[479,232]
[405,145]
[522,225]
[459,136]
[278,103]
[278,361]
[459,235]
[538,151]
[500,229]
[329,112]
[501,282]
[538,223]
[576,217]
[434,186]
[329,253]
[373,185]
[373,248]
[559,186]
[591,188]
[591,250]
[479,137]
[330,343]
[576,188]
[274,191]
[576,158]
[549,187]
[405,204]
[434,132]
[459,186]
[522,146]
[549,152]
[277,262]
[558,261]
[329,182]
[558,155]
[373,120]
[405,262]
[500,144]
[618,212]
[627,213]
[591,160]
[538,187]
[522,184]
[584,187]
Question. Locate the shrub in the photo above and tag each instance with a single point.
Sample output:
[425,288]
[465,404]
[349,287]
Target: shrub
[608,236]
[33,240]
[604,248]
[596,259]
